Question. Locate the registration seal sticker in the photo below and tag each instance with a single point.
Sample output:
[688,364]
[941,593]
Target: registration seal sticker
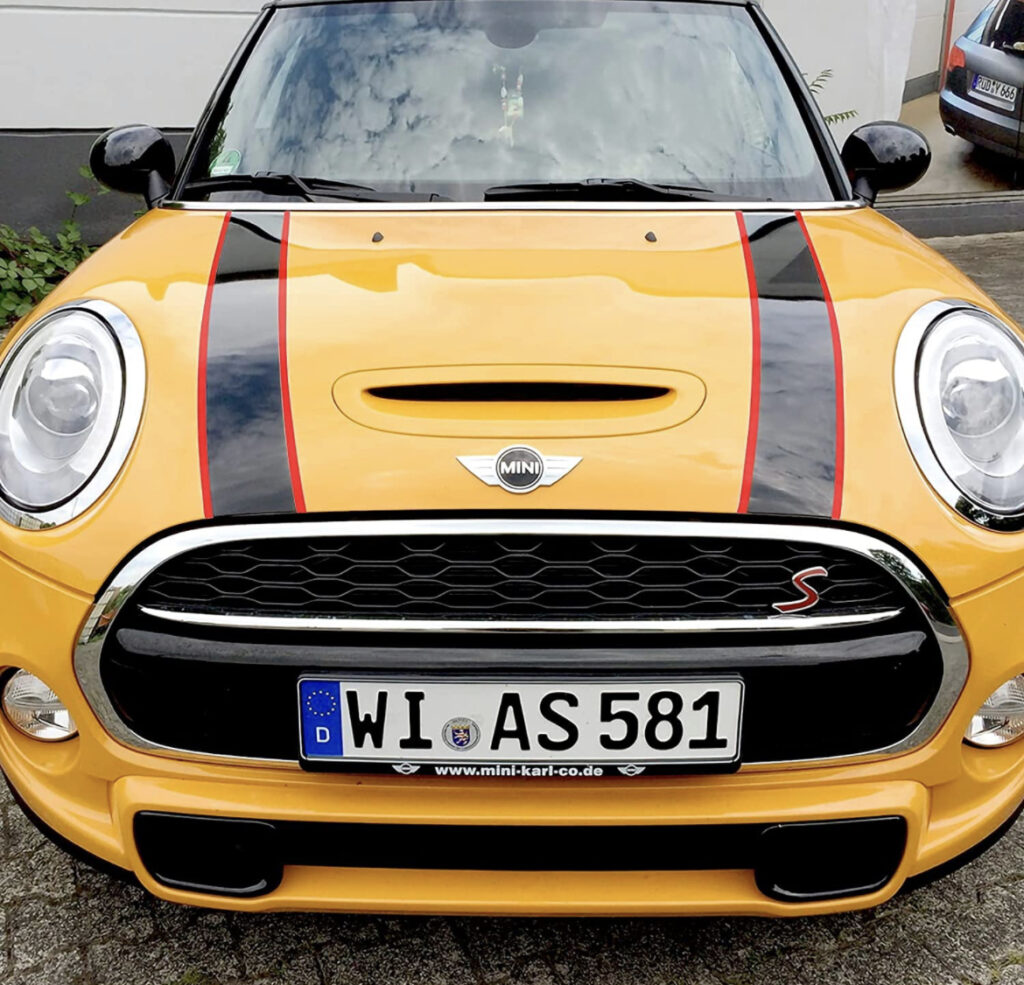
[460,733]
[226,163]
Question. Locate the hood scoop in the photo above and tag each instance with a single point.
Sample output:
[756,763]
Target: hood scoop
[519,392]
[519,401]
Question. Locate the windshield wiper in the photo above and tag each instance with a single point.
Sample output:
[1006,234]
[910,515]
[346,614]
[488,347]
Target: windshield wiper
[603,189]
[308,189]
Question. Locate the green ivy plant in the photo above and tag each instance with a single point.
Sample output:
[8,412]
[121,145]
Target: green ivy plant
[32,264]
[817,85]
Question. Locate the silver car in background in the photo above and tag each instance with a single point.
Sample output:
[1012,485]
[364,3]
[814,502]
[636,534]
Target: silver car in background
[981,100]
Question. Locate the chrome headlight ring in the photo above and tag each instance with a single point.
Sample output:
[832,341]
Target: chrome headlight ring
[91,378]
[959,386]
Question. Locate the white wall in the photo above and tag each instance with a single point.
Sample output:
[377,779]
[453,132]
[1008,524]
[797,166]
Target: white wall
[964,13]
[866,44]
[929,36]
[93,64]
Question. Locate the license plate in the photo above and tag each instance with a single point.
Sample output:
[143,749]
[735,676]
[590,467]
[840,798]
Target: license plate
[519,728]
[994,90]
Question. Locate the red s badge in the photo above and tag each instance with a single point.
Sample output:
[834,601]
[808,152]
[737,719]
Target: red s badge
[811,597]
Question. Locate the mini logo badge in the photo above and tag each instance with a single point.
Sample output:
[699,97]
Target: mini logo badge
[811,597]
[519,468]
[460,733]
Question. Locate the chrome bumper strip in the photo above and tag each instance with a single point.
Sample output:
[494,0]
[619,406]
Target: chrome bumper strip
[130,576]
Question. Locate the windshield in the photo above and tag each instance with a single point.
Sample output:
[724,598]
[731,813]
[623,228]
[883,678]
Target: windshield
[451,98]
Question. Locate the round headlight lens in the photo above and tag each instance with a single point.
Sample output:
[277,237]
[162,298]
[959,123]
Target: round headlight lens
[970,393]
[72,387]
[1000,720]
[33,708]
[60,402]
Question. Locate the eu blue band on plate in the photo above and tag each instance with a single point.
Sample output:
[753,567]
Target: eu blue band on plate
[320,707]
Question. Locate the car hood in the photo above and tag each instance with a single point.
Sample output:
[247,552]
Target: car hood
[761,345]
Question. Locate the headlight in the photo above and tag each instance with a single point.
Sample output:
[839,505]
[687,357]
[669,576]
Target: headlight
[71,391]
[960,391]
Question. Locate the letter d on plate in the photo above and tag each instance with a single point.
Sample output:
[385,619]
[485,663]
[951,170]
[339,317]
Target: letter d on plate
[320,703]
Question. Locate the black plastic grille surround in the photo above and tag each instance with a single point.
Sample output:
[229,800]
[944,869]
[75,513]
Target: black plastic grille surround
[195,692]
[512,576]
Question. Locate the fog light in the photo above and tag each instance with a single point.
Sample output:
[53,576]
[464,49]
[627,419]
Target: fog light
[1000,720]
[32,707]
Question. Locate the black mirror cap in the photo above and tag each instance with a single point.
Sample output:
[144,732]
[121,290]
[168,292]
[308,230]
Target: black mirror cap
[885,157]
[137,160]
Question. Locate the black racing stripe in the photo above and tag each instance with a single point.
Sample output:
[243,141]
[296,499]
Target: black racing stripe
[795,458]
[246,450]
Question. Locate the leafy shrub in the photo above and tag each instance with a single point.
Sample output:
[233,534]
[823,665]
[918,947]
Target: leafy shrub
[32,264]
[817,85]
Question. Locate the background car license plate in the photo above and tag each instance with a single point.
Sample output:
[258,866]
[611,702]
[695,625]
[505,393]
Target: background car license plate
[526,728]
[1001,92]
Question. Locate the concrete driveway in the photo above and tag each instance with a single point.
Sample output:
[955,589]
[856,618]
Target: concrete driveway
[64,924]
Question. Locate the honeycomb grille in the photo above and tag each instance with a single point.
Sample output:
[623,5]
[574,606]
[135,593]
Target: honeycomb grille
[512,577]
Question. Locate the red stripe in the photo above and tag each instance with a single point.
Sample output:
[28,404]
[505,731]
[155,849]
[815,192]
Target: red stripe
[286,400]
[837,353]
[204,340]
[755,373]
[947,42]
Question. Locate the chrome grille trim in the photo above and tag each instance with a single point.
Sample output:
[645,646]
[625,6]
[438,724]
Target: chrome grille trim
[331,624]
[130,576]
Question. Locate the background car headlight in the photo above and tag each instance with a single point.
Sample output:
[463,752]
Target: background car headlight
[70,400]
[960,389]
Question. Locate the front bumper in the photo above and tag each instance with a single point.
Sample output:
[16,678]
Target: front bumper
[89,790]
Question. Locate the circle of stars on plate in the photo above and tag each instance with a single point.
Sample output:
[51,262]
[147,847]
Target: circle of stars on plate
[321,703]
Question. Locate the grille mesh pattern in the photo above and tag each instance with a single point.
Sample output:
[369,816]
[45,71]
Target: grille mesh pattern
[512,576]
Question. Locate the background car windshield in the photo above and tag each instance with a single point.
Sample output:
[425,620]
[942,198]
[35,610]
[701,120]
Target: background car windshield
[455,97]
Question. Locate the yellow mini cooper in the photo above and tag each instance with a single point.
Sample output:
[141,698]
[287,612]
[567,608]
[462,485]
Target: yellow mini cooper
[512,469]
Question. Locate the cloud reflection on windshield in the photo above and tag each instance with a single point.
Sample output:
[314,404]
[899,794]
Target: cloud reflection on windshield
[382,95]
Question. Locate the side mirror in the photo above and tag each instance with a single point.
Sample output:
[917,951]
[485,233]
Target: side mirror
[883,157]
[137,160]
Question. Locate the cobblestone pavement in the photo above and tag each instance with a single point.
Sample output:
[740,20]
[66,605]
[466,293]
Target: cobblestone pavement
[64,924]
